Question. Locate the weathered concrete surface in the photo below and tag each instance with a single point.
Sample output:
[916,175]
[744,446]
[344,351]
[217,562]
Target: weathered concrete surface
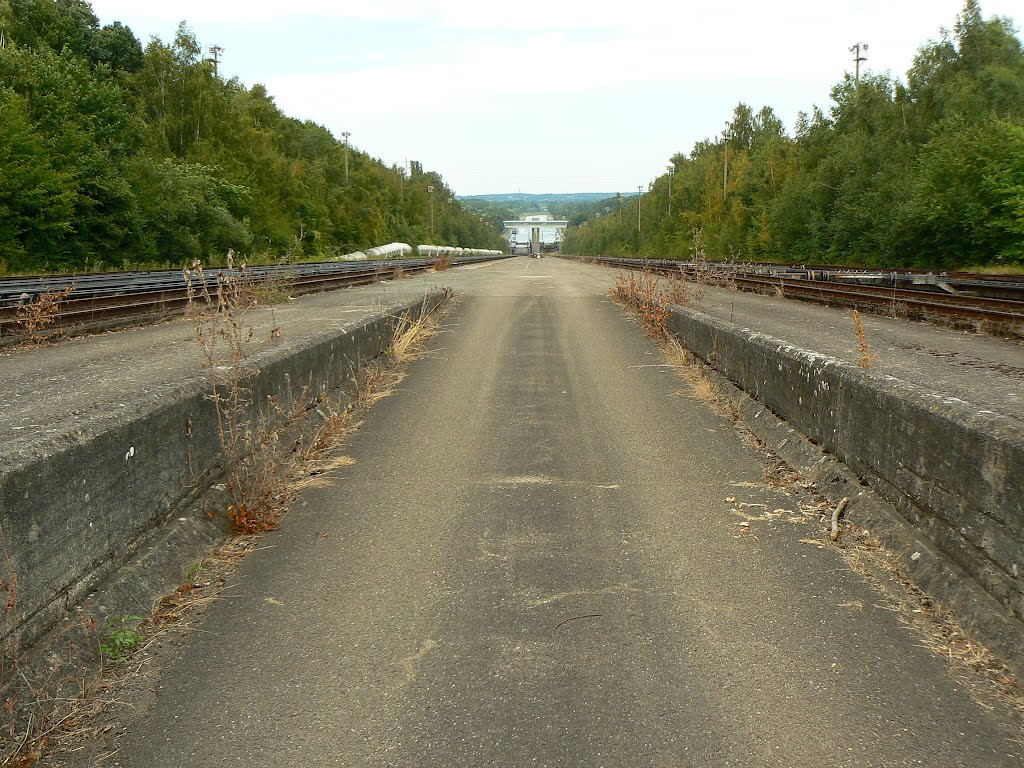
[985,372]
[86,491]
[953,472]
[532,563]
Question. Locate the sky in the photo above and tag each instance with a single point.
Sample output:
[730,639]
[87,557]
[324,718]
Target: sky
[545,96]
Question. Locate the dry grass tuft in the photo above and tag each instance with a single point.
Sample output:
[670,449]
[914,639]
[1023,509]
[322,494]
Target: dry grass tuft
[648,299]
[409,336]
[376,382]
[937,627]
[263,445]
[86,711]
[380,379]
[694,373]
[700,269]
[318,474]
[641,294]
[678,292]
[778,474]
[897,310]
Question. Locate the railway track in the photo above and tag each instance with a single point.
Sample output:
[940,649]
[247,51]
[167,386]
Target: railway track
[972,283]
[961,298]
[100,301]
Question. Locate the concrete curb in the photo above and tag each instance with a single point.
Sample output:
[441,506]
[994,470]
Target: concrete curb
[121,509]
[890,448]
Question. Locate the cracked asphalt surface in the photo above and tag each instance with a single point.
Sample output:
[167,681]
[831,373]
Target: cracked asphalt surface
[531,563]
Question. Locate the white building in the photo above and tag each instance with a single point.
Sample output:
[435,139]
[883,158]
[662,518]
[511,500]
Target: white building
[540,228]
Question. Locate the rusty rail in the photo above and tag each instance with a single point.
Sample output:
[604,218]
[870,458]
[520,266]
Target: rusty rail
[118,299]
[1004,315]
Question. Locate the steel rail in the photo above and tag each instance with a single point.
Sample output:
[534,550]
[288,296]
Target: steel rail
[952,275]
[1005,313]
[117,299]
[18,290]
[954,283]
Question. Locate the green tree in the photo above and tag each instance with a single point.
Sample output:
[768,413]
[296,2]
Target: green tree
[967,203]
[116,46]
[36,205]
[189,212]
[52,23]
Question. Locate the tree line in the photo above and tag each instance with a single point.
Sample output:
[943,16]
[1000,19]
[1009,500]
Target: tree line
[116,156]
[926,172]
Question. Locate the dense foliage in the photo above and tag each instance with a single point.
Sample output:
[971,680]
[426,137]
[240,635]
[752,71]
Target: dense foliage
[111,155]
[927,172]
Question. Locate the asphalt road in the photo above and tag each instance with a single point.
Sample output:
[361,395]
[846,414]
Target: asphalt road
[532,564]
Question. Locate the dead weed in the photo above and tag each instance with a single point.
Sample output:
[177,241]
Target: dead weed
[936,626]
[642,296]
[694,372]
[39,316]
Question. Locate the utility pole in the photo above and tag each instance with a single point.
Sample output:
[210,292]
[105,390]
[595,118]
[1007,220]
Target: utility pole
[430,189]
[401,186]
[346,134]
[857,50]
[725,175]
[215,52]
[671,170]
[639,199]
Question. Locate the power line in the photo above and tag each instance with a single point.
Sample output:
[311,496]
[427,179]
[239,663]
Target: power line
[639,198]
[346,134]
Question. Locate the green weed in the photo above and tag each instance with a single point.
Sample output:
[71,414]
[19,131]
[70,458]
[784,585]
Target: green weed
[121,637]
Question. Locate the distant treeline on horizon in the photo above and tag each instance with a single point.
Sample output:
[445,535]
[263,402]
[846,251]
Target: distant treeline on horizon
[532,197]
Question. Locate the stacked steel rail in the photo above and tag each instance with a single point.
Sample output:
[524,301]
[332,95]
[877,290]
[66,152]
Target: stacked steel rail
[998,300]
[115,299]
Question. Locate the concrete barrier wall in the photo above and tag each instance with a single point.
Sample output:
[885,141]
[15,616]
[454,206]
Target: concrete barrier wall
[75,515]
[953,472]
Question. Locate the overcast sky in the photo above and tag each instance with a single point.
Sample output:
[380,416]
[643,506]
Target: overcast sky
[544,95]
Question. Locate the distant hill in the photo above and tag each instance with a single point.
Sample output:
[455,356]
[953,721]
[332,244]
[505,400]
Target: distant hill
[542,199]
[575,207]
